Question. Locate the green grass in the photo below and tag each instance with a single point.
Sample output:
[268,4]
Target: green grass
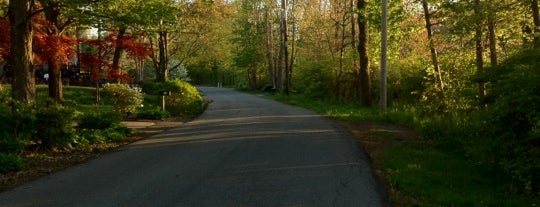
[431,176]
[429,173]
[353,111]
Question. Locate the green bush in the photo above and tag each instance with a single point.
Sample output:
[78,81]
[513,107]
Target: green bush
[152,113]
[150,88]
[99,121]
[102,127]
[124,99]
[54,126]
[512,117]
[9,162]
[313,80]
[184,101]
[18,126]
[92,135]
[115,133]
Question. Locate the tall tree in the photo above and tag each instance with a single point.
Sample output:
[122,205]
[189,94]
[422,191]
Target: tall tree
[434,55]
[536,20]
[285,45]
[479,14]
[20,14]
[363,33]
[55,26]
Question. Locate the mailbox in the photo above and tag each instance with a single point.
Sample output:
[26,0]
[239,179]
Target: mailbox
[165,93]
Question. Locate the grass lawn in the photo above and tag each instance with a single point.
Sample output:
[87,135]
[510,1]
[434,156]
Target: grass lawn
[425,175]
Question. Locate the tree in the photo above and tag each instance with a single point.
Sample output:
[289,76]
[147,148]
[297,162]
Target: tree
[363,33]
[479,46]
[59,48]
[536,20]
[21,59]
[434,54]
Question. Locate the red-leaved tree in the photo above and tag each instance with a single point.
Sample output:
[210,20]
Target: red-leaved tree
[48,48]
[102,60]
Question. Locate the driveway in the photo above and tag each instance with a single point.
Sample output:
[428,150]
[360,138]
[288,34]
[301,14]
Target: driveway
[243,151]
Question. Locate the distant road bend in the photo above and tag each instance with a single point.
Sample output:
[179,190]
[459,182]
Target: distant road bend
[243,151]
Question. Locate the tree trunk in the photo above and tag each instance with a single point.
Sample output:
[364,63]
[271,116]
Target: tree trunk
[353,23]
[163,71]
[24,81]
[100,65]
[479,46]
[341,28]
[292,52]
[115,67]
[365,90]
[269,53]
[55,80]
[55,65]
[280,59]
[284,33]
[434,55]
[492,38]
[536,20]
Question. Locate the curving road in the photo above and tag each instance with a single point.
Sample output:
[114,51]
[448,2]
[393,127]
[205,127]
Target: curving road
[243,151]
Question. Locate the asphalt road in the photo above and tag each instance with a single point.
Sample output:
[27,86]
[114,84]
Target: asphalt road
[243,151]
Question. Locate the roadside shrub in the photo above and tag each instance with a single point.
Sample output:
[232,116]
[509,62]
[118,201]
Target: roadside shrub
[17,127]
[9,162]
[92,135]
[152,113]
[102,127]
[184,101]
[124,99]
[99,121]
[54,126]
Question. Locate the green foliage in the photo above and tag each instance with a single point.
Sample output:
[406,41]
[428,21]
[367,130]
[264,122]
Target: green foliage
[184,101]
[151,88]
[313,79]
[9,162]
[438,177]
[99,121]
[124,99]
[18,126]
[102,127]
[80,95]
[54,126]
[152,113]
[513,117]
[5,97]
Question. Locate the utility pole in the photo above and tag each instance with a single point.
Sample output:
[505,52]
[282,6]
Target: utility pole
[384,48]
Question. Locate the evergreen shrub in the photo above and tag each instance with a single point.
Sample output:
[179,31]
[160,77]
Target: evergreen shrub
[9,162]
[54,126]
